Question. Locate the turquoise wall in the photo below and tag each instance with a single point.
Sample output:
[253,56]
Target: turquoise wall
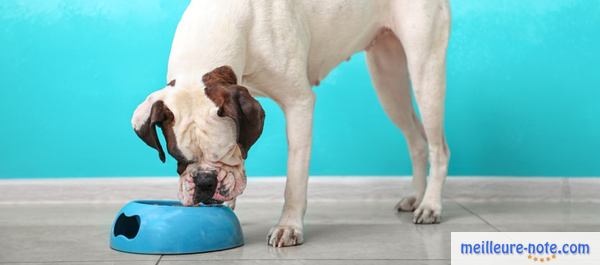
[523,93]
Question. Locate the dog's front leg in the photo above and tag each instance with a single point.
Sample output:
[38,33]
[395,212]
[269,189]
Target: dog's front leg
[299,116]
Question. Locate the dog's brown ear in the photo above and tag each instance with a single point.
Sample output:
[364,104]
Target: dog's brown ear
[250,124]
[234,101]
[162,117]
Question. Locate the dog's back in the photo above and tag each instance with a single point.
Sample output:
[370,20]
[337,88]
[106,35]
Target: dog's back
[324,33]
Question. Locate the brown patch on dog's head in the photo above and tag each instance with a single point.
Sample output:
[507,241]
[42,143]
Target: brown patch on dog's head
[160,116]
[234,101]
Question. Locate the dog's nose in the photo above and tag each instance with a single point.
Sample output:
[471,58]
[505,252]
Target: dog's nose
[206,184]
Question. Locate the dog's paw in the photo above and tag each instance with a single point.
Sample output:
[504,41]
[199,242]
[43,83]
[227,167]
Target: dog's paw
[428,213]
[230,204]
[407,204]
[285,236]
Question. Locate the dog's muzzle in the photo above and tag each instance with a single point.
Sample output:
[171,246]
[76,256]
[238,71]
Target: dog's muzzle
[211,186]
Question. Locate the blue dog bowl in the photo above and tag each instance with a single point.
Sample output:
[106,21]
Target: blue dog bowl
[167,227]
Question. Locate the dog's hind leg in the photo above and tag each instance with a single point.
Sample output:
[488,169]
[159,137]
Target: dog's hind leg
[389,74]
[423,28]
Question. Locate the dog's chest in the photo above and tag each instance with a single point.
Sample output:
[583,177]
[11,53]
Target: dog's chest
[321,33]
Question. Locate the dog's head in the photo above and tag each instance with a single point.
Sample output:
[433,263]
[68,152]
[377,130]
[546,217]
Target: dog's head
[208,130]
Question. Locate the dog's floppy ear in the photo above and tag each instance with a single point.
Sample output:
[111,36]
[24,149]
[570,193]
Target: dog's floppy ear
[151,113]
[234,101]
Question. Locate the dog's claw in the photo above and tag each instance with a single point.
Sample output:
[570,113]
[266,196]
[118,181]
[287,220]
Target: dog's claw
[230,204]
[427,213]
[284,236]
[407,204]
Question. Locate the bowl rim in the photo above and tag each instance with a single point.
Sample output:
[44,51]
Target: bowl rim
[174,204]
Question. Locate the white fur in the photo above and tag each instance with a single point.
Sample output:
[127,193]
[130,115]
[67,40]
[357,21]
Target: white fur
[281,48]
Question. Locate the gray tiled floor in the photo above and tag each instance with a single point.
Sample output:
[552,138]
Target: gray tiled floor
[349,220]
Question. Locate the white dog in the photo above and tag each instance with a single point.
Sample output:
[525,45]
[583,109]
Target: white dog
[227,51]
